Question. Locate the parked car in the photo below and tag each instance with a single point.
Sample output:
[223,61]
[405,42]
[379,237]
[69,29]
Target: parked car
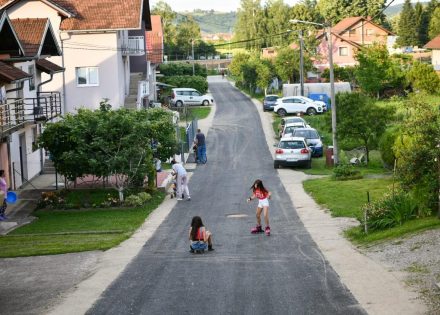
[309,100]
[290,128]
[292,151]
[269,102]
[312,139]
[188,96]
[294,104]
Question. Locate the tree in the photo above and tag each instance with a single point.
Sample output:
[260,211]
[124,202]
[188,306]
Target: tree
[250,24]
[334,11]
[168,16]
[187,32]
[235,67]
[359,119]
[423,77]
[287,64]
[434,24]
[422,24]
[277,17]
[342,74]
[407,30]
[377,71]
[264,73]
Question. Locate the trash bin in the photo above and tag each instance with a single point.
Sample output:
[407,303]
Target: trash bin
[329,162]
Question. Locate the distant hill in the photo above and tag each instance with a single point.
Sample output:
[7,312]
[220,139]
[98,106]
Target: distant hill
[395,9]
[212,22]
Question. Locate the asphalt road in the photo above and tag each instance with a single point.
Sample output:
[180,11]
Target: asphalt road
[246,274]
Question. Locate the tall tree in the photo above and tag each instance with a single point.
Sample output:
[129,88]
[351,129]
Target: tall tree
[287,64]
[250,23]
[168,16]
[434,23]
[277,17]
[407,30]
[333,10]
[422,24]
[187,32]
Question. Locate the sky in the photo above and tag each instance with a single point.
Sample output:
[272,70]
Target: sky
[217,5]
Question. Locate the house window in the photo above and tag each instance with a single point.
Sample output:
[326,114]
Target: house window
[87,76]
[31,71]
[343,51]
[352,32]
[370,32]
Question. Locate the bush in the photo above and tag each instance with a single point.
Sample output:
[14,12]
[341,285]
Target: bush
[346,172]
[187,81]
[386,146]
[133,201]
[144,196]
[51,200]
[391,210]
[182,68]
[424,78]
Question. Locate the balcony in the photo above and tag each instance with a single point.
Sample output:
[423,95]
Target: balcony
[133,46]
[17,112]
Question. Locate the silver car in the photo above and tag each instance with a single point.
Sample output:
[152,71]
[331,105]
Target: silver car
[292,151]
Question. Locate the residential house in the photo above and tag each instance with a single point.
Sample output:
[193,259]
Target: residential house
[348,36]
[434,45]
[24,45]
[96,47]
[154,52]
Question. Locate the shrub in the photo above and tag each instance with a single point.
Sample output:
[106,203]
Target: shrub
[133,201]
[51,199]
[187,81]
[386,146]
[391,210]
[346,172]
[424,78]
[182,68]
[144,196]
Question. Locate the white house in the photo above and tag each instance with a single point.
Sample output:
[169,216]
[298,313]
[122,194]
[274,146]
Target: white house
[93,37]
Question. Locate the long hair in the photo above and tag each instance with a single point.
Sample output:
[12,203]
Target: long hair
[2,172]
[196,223]
[260,186]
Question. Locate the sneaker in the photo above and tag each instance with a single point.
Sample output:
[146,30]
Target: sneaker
[210,249]
[179,199]
[189,199]
[267,230]
[256,229]
[191,250]
[2,218]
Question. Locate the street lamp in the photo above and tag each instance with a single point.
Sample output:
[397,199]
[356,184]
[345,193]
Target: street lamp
[328,29]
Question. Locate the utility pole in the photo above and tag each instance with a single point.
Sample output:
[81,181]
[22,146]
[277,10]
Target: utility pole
[332,95]
[301,63]
[192,50]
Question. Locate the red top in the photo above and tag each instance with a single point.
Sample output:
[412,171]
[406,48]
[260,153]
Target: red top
[260,194]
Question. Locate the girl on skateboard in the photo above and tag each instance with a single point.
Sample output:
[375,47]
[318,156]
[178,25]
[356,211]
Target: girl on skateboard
[263,195]
[199,236]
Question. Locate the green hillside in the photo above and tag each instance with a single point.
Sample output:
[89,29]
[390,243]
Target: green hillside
[395,9]
[213,22]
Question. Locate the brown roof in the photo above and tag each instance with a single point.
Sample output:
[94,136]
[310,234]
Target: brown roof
[155,40]
[10,74]
[30,32]
[346,23]
[98,14]
[434,43]
[48,67]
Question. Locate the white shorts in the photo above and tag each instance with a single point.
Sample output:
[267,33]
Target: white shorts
[263,203]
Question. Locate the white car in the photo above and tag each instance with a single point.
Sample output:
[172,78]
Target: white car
[290,128]
[297,104]
[187,96]
[292,151]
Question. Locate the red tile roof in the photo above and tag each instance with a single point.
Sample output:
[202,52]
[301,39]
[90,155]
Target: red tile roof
[30,33]
[98,14]
[48,67]
[155,40]
[434,43]
[346,23]
[10,74]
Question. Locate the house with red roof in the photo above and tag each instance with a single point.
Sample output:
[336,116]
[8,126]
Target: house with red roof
[24,107]
[348,36]
[96,47]
[434,45]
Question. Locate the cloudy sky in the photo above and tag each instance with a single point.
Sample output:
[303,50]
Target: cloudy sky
[218,5]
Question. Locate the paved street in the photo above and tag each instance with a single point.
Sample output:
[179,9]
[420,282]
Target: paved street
[246,274]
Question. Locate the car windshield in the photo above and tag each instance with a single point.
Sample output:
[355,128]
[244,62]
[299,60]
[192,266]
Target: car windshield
[290,129]
[308,134]
[271,98]
[292,120]
[294,144]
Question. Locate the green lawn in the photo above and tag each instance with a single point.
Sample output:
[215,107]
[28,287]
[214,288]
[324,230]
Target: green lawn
[345,198]
[198,112]
[65,231]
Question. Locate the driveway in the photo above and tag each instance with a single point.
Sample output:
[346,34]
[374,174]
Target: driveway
[246,274]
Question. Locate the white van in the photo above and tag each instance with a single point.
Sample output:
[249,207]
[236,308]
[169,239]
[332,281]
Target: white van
[188,96]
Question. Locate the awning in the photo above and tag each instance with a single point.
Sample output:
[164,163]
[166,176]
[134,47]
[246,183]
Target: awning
[164,84]
[11,74]
[48,67]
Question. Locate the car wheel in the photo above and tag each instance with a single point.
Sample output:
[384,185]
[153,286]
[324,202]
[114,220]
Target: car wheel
[205,103]
[179,104]
[311,111]
[276,165]
[309,164]
[282,112]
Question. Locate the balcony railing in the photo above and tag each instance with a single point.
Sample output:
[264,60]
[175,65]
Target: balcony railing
[143,91]
[17,112]
[133,46]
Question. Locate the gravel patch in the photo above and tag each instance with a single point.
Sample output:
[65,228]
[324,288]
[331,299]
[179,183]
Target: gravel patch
[417,258]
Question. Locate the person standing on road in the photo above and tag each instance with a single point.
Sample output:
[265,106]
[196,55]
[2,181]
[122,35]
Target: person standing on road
[263,195]
[201,147]
[3,194]
[181,180]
